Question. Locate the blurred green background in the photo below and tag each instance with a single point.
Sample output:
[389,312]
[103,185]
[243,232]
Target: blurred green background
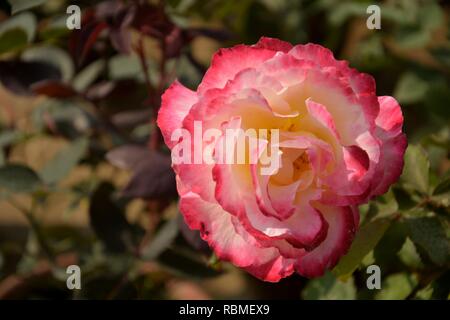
[85,179]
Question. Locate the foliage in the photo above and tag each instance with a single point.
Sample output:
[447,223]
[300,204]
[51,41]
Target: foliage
[85,178]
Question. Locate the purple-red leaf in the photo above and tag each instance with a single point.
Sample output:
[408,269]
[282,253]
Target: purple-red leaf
[53,88]
[153,177]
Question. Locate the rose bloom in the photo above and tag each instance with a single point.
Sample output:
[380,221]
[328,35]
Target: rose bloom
[340,146]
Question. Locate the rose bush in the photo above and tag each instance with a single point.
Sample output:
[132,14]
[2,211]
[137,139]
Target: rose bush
[340,145]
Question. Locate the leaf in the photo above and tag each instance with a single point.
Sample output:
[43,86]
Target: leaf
[416,170]
[120,20]
[68,116]
[88,75]
[108,220]
[54,89]
[384,206]
[22,5]
[132,118]
[153,177]
[345,10]
[412,37]
[441,287]
[186,263]
[8,137]
[437,100]
[60,166]
[365,240]
[18,178]
[385,252]
[431,16]
[17,32]
[128,66]
[442,54]
[410,88]
[53,56]
[409,256]
[19,76]
[429,234]
[404,199]
[128,156]
[12,39]
[397,287]
[25,21]
[163,239]
[54,29]
[329,288]
[442,187]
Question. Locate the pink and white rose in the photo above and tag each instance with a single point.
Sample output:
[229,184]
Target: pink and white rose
[340,146]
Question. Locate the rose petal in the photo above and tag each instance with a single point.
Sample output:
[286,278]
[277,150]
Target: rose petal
[175,105]
[341,230]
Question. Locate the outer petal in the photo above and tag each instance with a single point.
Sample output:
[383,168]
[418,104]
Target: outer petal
[175,105]
[273,44]
[228,62]
[389,122]
[217,229]
[390,118]
[341,230]
[318,54]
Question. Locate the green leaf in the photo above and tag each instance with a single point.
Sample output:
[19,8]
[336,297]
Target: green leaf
[126,66]
[25,21]
[21,5]
[397,287]
[185,263]
[384,206]
[431,16]
[409,256]
[8,137]
[412,37]
[442,187]
[107,219]
[88,75]
[410,88]
[329,288]
[60,166]
[429,234]
[54,29]
[18,178]
[13,39]
[163,239]
[366,239]
[385,253]
[17,32]
[416,170]
[441,287]
[345,10]
[442,54]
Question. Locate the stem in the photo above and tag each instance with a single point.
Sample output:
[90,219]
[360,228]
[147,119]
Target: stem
[154,94]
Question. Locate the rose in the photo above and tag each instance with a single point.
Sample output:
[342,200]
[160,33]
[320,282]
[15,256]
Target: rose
[340,146]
